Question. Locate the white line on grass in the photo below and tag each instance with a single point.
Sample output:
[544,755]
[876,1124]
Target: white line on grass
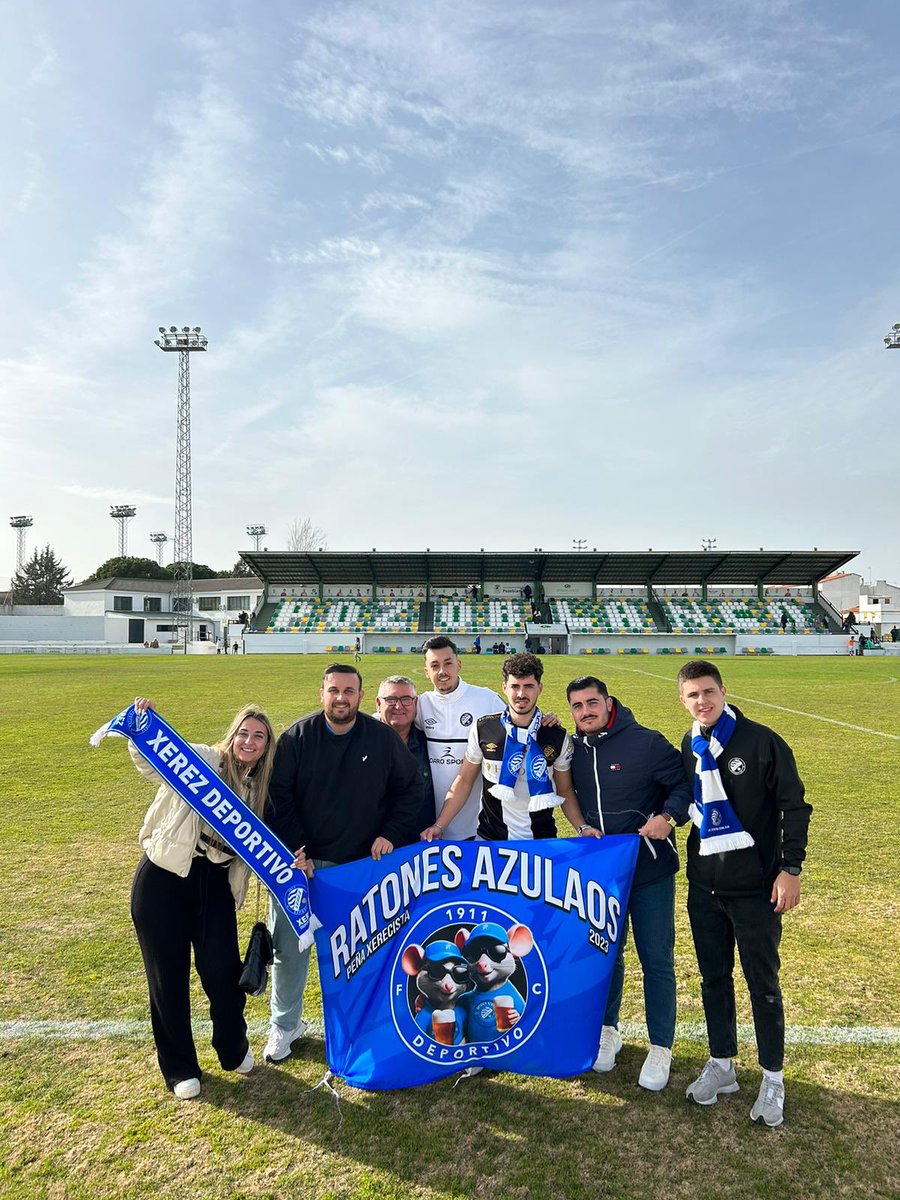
[692,1031]
[894,737]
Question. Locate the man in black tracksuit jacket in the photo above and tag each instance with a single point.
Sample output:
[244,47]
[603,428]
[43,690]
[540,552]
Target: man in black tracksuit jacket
[629,779]
[737,897]
[343,786]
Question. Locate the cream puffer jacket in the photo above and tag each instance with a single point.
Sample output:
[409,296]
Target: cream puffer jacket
[171,829]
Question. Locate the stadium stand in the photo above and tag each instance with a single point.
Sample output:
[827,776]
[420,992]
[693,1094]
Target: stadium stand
[690,614]
[625,614]
[344,616]
[479,616]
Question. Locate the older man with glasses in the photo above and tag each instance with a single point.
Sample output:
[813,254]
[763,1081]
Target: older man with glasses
[396,705]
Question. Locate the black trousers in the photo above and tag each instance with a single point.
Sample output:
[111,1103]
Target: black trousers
[171,915]
[717,924]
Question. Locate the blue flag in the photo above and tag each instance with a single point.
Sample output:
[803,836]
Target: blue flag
[451,955]
[183,770]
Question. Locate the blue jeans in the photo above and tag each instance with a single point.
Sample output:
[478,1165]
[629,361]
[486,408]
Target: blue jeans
[290,966]
[651,912]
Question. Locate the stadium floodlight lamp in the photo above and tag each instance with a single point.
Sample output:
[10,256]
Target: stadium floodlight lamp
[181,339]
[892,339]
[257,532]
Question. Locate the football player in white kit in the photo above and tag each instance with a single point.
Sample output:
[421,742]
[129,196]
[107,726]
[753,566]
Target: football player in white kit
[446,716]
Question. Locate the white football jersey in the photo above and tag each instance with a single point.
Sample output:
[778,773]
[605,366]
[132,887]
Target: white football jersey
[446,722]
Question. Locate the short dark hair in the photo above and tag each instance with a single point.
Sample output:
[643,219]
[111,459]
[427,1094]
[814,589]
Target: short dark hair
[520,666]
[698,668]
[587,681]
[440,643]
[341,669]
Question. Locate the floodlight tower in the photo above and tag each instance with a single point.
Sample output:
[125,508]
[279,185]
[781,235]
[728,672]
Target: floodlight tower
[20,524]
[184,342]
[579,543]
[122,513]
[708,543]
[257,532]
[892,339]
[159,541]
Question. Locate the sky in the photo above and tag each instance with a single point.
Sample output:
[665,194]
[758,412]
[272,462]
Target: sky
[473,274]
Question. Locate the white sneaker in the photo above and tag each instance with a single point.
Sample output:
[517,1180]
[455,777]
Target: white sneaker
[655,1072]
[769,1106]
[278,1047]
[711,1083]
[610,1045]
[187,1089]
[247,1065]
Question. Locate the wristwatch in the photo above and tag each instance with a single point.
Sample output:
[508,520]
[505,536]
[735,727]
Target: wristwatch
[672,822]
[789,870]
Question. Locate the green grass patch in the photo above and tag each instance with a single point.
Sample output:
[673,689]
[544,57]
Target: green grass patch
[92,1118]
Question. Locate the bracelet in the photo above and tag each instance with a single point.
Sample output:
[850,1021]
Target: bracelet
[440,827]
[582,828]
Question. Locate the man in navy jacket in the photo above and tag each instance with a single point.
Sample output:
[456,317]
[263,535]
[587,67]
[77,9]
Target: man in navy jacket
[343,786]
[629,779]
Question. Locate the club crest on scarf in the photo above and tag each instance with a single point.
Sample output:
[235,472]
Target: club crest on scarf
[712,811]
[515,754]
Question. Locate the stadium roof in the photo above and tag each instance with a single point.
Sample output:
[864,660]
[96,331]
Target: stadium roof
[450,569]
[233,583]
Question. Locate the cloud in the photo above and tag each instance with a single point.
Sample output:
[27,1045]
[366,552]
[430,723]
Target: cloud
[193,184]
[33,181]
[116,495]
[394,202]
[371,160]
[331,250]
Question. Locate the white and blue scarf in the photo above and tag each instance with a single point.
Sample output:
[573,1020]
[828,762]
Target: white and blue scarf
[183,770]
[712,811]
[521,745]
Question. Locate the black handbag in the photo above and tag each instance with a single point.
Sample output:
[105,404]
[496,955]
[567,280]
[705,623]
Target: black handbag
[258,959]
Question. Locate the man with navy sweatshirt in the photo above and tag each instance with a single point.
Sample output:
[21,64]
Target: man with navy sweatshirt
[629,779]
[343,786]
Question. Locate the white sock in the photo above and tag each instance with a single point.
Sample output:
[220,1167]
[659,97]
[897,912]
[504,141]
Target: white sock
[773,1076]
[724,1063]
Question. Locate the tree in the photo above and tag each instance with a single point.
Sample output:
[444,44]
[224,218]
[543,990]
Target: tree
[41,580]
[130,568]
[240,570]
[199,571]
[303,535]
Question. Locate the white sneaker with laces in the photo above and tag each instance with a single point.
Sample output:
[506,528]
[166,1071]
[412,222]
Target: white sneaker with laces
[247,1065]
[769,1105]
[655,1072]
[711,1083]
[187,1089]
[278,1047]
[610,1045]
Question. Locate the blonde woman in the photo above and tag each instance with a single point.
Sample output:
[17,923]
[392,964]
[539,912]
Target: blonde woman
[186,890]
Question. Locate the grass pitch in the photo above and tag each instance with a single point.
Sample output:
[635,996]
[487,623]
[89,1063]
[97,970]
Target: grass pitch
[83,1110]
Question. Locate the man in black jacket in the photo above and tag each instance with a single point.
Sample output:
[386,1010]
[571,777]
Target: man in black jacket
[343,786]
[738,896]
[629,779]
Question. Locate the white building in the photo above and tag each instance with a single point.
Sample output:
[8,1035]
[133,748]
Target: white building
[135,611]
[842,590]
[879,606]
[871,605]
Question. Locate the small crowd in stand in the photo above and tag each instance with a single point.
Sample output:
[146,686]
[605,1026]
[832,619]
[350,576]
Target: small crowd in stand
[339,785]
